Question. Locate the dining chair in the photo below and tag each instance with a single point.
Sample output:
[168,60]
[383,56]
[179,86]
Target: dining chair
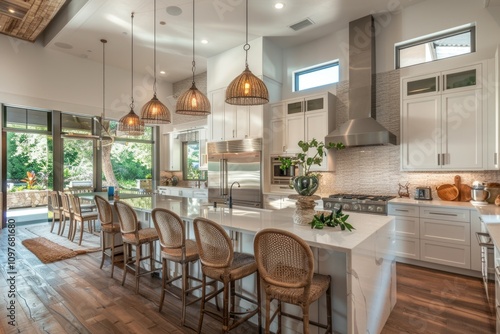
[220,263]
[57,210]
[176,248]
[67,213]
[134,236]
[109,228]
[81,217]
[286,266]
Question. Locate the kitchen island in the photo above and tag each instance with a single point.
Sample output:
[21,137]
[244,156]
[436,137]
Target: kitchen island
[361,262]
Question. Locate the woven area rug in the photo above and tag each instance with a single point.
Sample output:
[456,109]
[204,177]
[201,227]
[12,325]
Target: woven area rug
[90,242]
[48,251]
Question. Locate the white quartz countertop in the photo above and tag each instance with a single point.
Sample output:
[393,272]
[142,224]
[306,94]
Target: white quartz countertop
[434,202]
[249,220]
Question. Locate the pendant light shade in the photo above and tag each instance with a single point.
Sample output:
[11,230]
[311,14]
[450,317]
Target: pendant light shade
[131,124]
[193,102]
[155,112]
[246,89]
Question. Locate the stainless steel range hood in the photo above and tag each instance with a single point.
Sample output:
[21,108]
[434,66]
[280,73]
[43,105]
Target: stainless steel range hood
[361,129]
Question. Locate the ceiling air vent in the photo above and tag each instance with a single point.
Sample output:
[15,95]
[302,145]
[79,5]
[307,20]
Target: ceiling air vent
[302,24]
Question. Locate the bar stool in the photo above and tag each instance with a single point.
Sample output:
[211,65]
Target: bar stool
[66,213]
[220,263]
[134,236]
[176,248]
[108,227]
[57,209]
[286,266]
[80,217]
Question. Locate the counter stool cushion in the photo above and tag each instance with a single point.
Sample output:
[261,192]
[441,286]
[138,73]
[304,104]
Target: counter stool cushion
[143,235]
[111,228]
[175,254]
[243,265]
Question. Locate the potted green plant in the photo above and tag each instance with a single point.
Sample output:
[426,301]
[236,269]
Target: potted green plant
[307,183]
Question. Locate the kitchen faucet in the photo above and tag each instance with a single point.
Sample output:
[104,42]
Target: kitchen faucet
[230,203]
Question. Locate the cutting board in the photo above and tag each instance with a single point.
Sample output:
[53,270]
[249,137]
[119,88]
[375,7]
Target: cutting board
[463,190]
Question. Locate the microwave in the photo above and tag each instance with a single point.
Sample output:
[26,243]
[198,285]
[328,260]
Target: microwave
[280,176]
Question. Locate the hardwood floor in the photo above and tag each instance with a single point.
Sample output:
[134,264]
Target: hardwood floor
[75,296]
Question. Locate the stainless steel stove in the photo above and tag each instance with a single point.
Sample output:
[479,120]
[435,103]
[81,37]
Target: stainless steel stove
[374,204]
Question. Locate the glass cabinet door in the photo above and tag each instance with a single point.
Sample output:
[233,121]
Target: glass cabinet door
[461,79]
[294,108]
[315,104]
[422,86]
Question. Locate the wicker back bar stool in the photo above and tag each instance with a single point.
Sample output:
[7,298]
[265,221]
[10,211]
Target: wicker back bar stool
[81,217]
[220,263]
[176,248]
[286,266]
[108,228]
[134,236]
[57,210]
[66,213]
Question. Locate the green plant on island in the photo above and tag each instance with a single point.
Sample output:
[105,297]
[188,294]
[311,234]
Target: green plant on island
[305,159]
[335,218]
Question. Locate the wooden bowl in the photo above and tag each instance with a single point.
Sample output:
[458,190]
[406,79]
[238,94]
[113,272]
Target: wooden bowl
[447,192]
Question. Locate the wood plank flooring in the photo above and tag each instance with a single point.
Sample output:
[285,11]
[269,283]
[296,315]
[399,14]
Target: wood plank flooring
[75,296]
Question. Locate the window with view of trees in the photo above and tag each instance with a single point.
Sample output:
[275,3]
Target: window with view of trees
[191,161]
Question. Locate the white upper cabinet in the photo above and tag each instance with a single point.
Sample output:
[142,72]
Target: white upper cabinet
[443,121]
[174,161]
[227,122]
[307,118]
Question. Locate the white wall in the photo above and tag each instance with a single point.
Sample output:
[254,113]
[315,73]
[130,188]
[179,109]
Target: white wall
[33,76]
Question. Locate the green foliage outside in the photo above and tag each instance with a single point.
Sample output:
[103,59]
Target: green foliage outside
[33,153]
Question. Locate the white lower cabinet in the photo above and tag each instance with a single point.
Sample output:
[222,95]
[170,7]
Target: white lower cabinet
[407,230]
[435,234]
[183,192]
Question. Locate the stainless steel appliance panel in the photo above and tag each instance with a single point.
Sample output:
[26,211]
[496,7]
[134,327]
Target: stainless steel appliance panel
[226,168]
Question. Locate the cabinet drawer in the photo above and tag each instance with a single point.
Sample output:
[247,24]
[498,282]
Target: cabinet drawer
[445,231]
[445,213]
[403,210]
[407,226]
[407,247]
[445,253]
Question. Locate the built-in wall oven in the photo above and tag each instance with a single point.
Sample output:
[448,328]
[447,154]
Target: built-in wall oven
[280,176]
[487,264]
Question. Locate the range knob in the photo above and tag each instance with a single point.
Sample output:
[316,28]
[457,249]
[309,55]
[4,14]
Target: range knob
[356,207]
[380,209]
[371,208]
[328,205]
[347,207]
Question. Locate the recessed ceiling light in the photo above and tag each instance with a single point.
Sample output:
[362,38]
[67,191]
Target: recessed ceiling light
[204,41]
[162,72]
[174,10]
[279,5]
[11,10]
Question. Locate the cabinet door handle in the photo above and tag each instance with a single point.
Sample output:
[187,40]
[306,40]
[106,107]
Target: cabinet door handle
[444,159]
[495,157]
[439,159]
[443,214]
[401,210]
[438,88]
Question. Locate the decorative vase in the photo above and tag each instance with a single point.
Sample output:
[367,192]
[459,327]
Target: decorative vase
[305,185]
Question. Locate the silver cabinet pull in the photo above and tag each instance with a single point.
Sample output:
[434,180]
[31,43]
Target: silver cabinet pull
[439,159]
[443,214]
[495,157]
[401,210]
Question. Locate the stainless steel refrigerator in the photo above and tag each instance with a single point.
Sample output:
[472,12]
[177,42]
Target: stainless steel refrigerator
[235,161]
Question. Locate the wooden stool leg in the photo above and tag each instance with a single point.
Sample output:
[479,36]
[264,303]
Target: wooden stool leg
[202,304]
[112,254]
[126,249]
[137,266]
[103,247]
[163,280]
[185,274]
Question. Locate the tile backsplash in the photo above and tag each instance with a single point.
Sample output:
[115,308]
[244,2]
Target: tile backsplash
[376,169]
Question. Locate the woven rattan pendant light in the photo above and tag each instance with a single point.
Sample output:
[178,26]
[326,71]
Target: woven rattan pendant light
[193,102]
[131,124]
[246,89]
[155,112]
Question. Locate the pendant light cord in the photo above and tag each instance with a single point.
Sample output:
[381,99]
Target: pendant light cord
[193,63]
[154,43]
[246,47]
[132,62]
[103,41]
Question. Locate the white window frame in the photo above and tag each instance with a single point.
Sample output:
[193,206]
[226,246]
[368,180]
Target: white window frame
[316,68]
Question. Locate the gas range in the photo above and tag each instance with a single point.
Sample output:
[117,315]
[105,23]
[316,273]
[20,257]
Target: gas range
[374,204]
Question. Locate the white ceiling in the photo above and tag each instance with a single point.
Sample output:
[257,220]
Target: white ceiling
[221,22]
